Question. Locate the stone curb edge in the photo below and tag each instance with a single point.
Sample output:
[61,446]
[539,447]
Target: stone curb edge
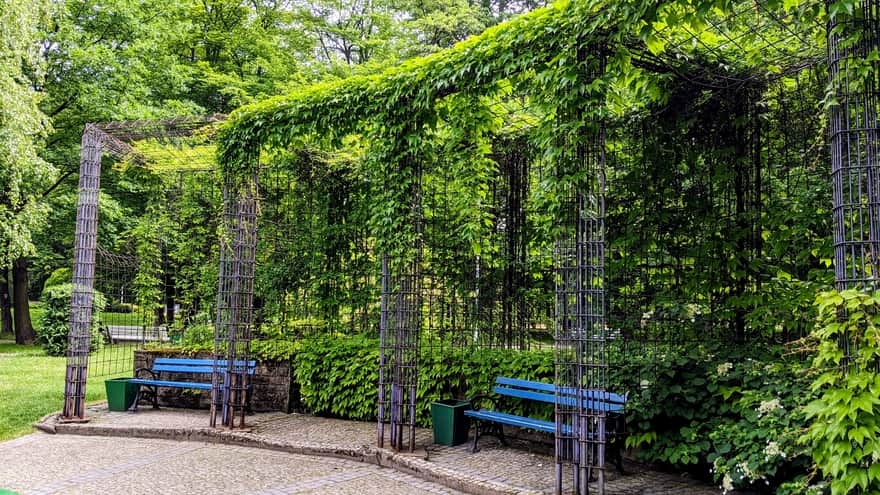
[381,457]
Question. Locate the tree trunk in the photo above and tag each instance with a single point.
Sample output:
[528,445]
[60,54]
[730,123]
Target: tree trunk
[24,331]
[5,303]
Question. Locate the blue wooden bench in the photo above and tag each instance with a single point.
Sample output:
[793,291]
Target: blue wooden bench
[490,422]
[163,366]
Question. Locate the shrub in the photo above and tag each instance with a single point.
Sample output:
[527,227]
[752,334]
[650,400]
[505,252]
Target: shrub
[54,327]
[339,375]
[60,276]
[724,412]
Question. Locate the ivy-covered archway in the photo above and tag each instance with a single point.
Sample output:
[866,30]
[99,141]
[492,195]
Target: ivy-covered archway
[592,84]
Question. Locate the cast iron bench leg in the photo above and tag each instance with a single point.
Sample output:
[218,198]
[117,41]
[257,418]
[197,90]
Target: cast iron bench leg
[618,457]
[493,428]
[152,393]
[137,398]
[499,432]
[477,424]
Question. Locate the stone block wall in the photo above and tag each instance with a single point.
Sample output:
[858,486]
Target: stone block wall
[271,384]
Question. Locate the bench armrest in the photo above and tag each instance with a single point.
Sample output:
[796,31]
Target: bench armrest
[478,399]
[139,371]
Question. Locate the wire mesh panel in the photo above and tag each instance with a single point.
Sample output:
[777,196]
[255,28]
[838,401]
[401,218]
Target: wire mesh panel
[124,323]
[86,236]
[855,149]
[581,332]
[311,217]
[504,315]
[483,284]
[152,278]
[235,297]
[515,315]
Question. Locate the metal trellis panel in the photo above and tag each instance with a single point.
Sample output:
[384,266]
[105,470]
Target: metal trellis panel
[86,238]
[399,354]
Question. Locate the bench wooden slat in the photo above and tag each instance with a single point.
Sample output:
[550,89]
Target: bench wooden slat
[569,401]
[173,368]
[521,421]
[516,382]
[510,419]
[165,383]
[200,362]
[193,369]
[525,394]
[589,394]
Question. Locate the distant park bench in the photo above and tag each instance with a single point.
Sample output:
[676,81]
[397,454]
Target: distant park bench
[164,366]
[115,334]
[490,421]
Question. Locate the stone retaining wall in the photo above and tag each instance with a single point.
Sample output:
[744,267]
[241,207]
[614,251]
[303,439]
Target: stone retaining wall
[271,384]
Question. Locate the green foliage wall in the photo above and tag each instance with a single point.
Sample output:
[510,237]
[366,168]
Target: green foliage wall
[339,375]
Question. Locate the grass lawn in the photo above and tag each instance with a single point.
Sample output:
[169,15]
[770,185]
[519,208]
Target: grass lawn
[32,383]
[37,311]
[31,386]
[124,319]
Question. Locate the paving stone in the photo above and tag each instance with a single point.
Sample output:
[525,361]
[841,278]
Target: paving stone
[525,467]
[67,464]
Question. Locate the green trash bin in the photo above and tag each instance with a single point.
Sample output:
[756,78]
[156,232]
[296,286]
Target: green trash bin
[120,394]
[450,424]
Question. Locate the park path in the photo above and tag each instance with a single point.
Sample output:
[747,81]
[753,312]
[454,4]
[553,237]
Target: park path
[303,440]
[40,464]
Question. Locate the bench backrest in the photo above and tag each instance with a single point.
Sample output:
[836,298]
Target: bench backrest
[546,392]
[185,365]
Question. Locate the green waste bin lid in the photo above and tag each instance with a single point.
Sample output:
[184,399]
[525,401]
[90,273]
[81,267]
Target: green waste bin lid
[4,491]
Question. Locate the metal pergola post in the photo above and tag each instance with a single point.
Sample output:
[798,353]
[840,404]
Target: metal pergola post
[85,244]
[855,148]
[581,331]
[399,333]
[235,294]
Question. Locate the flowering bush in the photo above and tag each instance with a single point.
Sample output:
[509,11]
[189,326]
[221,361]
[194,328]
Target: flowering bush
[725,413]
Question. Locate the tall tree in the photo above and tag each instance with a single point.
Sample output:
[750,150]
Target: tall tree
[239,50]
[349,32]
[438,24]
[23,173]
[105,60]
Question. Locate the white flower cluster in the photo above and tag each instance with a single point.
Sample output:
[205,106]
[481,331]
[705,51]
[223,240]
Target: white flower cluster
[746,471]
[646,317]
[727,483]
[724,368]
[768,406]
[772,450]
